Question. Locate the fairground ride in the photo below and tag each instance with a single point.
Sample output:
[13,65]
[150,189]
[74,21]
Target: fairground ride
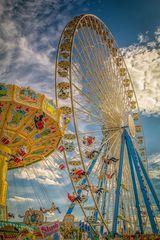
[29,131]
[103,145]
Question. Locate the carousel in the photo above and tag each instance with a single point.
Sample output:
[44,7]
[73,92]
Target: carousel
[30,130]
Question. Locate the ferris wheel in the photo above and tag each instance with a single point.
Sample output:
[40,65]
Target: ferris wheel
[103,145]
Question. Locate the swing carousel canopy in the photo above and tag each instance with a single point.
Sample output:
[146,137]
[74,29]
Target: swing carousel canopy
[29,125]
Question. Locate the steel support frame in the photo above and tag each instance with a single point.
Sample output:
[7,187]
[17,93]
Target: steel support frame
[134,157]
[70,209]
[150,185]
[136,165]
[134,184]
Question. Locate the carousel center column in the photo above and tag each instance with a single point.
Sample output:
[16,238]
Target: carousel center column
[5,153]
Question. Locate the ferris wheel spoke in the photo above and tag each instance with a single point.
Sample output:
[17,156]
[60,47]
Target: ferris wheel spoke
[111,171]
[96,55]
[110,203]
[106,103]
[87,98]
[103,131]
[84,111]
[115,76]
[109,138]
[93,93]
[100,162]
[110,111]
[74,187]
[84,107]
[91,46]
[85,62]
[89,72]
[91,62]
[102,56]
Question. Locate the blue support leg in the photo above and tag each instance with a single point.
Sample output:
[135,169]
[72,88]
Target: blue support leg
[141,183]
[134,185]
[149,182]
[83,182]
[119,180]
[70,209]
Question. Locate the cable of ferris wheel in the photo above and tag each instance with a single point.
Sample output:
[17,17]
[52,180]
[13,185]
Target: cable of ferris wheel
[83,112]
[100,63]
[87,57]
[100,162]
[102,52]
[85,38]
[88,83]
[111,184]
[109,151]
[101,130]
[92,181]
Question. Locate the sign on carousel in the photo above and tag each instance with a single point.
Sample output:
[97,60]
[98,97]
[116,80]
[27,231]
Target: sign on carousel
[49,229]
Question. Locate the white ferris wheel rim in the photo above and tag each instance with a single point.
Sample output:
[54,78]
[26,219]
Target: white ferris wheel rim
[74,102]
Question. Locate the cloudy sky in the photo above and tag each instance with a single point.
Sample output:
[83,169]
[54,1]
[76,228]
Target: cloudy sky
[30,30]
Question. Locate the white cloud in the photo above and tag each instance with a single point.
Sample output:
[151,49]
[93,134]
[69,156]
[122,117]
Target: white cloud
[154,173]
[143,62]
[154,159]
[29,36]
[46,174]
[154,166]
[48,181]
[143,38]
[157,35]
[18,199]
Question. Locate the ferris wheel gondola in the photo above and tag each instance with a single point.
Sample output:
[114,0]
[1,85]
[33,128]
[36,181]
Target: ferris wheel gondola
[96,96]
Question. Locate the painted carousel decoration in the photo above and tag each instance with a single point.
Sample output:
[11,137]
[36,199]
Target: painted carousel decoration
[33,217]
[30,129]
[68,223]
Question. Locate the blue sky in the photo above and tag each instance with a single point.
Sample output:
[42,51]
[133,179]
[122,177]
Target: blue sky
[127,19]
[29,36]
